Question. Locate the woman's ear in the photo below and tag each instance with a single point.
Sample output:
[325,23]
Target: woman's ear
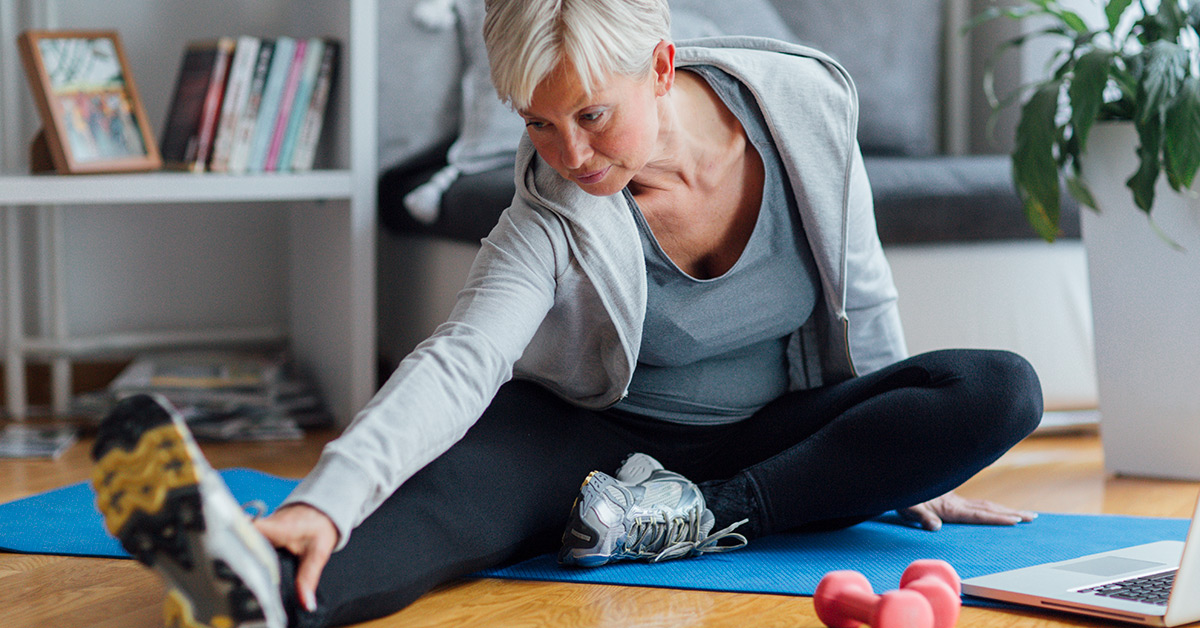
[664,67]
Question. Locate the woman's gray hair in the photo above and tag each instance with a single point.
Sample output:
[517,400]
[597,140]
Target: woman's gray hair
[526,40]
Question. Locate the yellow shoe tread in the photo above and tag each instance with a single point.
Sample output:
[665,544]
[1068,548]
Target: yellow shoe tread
[139,480]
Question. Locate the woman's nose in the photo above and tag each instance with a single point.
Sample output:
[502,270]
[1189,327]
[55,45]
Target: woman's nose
[575,150]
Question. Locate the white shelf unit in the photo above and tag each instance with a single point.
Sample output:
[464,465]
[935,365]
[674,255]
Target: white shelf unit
[330,219]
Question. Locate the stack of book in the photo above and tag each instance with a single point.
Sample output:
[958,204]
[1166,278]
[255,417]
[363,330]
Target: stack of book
[224,395]
[250,104]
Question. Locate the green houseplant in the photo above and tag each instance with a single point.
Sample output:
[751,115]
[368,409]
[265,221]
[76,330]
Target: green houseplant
[1124,97]
[1142,66]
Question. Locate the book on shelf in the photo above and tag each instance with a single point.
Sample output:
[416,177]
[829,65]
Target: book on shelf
[268,111]
[237,91]
[239,152]
[313,53]
[249,104]
[196,104]
[309,134]
[290,90]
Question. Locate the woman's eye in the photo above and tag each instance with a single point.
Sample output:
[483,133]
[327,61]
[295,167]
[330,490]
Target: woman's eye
[591,116]
[535,124]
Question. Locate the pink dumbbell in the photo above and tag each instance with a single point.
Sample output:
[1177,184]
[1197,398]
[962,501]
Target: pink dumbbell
[844,599]
[928,598]
[939,583]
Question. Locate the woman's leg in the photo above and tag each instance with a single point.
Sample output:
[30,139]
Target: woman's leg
[889,439]
[502,493]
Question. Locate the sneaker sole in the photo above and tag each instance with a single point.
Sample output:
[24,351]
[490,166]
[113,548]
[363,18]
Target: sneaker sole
[147,487]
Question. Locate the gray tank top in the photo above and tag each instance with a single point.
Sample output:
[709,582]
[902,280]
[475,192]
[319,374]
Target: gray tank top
[714,350]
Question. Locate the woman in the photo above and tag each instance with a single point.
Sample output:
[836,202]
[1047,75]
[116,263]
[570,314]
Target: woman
[689,270]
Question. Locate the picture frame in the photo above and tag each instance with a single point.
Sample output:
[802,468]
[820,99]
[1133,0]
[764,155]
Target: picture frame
[93,119]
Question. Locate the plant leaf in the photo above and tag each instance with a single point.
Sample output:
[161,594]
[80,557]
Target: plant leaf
[1086,92]
[1163,24]
[1161,77]
[989,69]
[1181,136]
[1172,18]
[1114,10]
[1148,151]
[1072,19]
[1035,170]
[1080,191]
[1012,13]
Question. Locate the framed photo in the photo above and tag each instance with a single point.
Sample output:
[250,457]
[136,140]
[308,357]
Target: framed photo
[92,117]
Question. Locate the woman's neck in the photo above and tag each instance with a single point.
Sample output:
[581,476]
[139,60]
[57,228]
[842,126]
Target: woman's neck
[699,140]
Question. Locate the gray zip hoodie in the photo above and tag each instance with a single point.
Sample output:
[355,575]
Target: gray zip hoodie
[557,293]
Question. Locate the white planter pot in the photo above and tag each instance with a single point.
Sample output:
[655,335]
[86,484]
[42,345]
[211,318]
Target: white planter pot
[1146,308]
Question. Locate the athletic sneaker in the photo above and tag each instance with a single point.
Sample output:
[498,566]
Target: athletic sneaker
[637,468]
[173,512]
[646,512]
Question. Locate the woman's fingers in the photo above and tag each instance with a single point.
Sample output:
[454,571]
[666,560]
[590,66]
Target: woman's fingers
[982,511]
[311,536]
[923,515]
[951,508]
[308,574]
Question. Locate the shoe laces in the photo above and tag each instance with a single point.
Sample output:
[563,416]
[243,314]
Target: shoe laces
[660,538]
[255,509]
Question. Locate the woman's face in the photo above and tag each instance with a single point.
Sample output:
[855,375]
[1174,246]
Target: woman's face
[598,141]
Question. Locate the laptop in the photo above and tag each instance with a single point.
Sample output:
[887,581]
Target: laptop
[1157,584]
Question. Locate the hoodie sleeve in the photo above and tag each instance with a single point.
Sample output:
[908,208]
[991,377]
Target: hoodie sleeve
[876,337]
[445,384]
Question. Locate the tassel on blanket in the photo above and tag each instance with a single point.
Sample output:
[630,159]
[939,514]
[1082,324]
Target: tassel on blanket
[424,202]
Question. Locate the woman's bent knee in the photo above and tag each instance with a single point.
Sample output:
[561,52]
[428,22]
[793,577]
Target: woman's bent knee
[1010,391]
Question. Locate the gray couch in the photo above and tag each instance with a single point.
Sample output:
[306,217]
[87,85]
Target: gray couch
[893,50]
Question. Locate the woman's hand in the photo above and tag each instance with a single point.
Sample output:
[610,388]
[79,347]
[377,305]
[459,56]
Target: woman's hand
[311,536]
[952,508]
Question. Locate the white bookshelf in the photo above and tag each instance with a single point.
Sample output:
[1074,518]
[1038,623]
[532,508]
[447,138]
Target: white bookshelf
[330,215]
[174,187]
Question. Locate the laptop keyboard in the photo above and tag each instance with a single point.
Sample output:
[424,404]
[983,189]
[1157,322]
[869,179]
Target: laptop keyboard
[1152,589]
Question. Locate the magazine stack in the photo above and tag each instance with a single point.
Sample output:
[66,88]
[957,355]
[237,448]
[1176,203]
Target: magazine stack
[226,396]
[250,104]
[36,441]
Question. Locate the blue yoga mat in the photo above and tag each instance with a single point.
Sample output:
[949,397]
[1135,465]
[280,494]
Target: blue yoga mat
[65,521]
[793,564]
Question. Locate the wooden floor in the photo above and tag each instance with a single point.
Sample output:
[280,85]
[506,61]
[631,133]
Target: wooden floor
[1061,473]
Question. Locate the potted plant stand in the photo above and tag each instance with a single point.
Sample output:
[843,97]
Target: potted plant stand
[1145,290]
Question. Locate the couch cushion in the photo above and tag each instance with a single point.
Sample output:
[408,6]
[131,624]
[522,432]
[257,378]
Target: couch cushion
[470,207]
[733,17]
[893,52]
[952,199]
[411,121]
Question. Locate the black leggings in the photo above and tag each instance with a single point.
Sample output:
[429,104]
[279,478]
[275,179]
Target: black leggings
[821,458]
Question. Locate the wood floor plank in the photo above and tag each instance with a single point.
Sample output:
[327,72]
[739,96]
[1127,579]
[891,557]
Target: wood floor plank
[1051,473]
